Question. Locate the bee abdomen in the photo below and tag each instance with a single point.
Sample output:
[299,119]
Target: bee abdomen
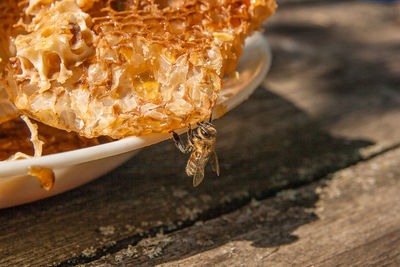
[191,168]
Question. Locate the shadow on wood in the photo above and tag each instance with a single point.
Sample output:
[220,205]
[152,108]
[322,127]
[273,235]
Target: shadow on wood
[260,155]
[265,145]
[278,140]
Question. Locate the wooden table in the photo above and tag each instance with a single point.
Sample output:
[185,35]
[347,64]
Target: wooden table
[310,167]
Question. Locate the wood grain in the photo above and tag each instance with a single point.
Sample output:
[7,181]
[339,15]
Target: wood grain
[331,100]
[348,219]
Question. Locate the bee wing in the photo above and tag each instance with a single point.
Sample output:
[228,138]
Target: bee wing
[215,163]
[198,176]
[199,164]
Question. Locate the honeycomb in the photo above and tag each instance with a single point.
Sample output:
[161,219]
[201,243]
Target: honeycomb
[55,140]
[127,67]
[9,15]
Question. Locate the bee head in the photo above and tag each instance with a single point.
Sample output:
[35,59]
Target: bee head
[207,130]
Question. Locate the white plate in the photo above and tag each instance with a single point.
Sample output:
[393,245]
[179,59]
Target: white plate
[77,167]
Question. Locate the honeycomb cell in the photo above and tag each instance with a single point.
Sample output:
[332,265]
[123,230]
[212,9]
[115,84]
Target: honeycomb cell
[120,68]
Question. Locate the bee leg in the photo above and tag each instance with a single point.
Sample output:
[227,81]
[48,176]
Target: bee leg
[204,124]
[203,127]
[189,134]
[190,130]
[208,123]
[179,144]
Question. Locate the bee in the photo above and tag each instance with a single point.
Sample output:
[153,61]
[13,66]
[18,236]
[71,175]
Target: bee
[201,144]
